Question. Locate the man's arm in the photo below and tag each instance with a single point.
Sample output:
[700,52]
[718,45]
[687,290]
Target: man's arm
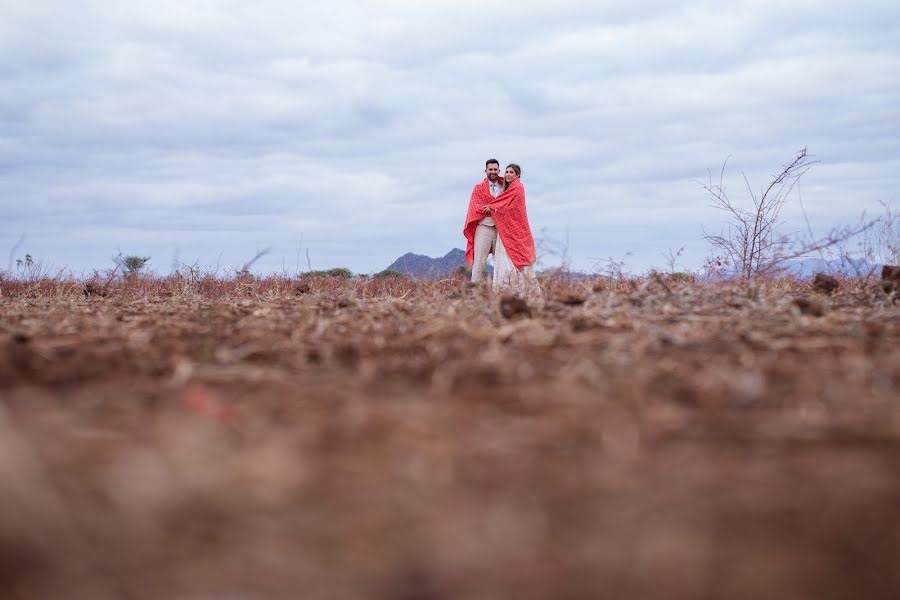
[474,213]
[505,199]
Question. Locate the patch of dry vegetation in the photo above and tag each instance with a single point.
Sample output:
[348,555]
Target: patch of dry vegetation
[390,438]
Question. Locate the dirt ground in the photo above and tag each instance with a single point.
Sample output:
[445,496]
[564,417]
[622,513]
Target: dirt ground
[405,440]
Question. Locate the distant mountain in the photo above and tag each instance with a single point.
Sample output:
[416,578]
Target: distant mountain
[807,268]
[425,267]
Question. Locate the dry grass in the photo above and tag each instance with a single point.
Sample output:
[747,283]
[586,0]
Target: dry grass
[388,438]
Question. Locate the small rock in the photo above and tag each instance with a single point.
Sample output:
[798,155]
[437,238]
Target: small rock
[513,306]
[825,284]
[809,307]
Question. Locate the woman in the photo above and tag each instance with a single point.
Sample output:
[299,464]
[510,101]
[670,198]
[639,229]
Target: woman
[514,254]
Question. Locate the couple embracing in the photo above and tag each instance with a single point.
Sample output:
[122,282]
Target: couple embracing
[497,223]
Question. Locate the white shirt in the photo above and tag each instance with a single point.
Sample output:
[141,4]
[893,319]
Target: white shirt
[496,187]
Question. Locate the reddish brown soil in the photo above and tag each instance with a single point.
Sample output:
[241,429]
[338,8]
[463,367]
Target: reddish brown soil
[392,439]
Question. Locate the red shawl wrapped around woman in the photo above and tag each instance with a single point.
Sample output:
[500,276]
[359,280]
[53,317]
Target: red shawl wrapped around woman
[510,217]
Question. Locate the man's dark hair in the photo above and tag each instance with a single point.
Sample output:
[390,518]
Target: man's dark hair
[491,161]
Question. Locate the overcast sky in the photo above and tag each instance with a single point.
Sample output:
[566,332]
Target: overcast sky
[208,130]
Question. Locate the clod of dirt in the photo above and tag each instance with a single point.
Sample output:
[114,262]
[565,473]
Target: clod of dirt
[583,324]
[314,357]
[825,284]
[347,355]
[890,279]
[513,306]
[93,289]
[571,299]
[809,307]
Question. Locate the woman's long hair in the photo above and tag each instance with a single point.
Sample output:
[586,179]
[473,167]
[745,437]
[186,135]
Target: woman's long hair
[515,168]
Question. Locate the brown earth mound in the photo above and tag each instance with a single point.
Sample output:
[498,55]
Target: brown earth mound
[391,439]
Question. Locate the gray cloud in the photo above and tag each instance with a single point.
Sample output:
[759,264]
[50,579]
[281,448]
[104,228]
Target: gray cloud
[222,128]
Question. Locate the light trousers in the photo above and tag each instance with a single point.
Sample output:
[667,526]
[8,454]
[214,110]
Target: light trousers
[485,240]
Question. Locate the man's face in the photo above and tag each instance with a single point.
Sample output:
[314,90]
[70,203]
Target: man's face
[492,171]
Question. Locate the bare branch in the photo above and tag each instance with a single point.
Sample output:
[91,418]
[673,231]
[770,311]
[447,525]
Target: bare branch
[299,246]
[249,263]
[13,250]
[751,240]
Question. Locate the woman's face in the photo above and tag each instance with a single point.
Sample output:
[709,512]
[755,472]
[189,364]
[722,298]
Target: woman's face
[511,175]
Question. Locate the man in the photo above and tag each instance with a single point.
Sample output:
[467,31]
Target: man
[480,229]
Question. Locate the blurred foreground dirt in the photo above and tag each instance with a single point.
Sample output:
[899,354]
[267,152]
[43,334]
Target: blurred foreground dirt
[336,439]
